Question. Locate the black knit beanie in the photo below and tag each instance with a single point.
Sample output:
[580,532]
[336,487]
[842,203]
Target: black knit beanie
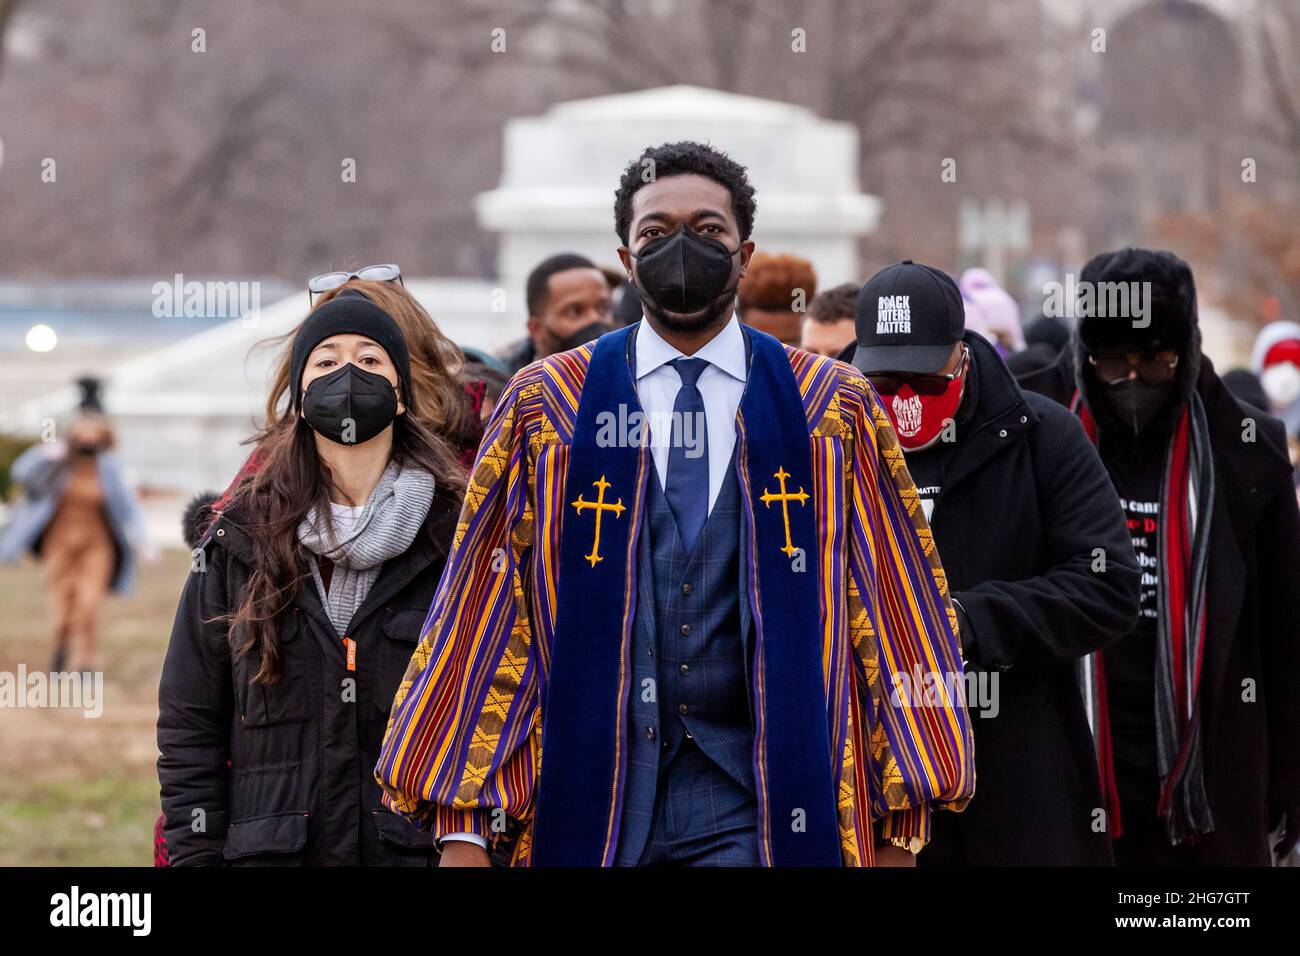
[350,312]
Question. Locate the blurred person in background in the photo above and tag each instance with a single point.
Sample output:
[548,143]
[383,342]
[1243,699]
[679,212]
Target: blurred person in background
[484,379]
[627,306]
[77,515]
[1045,337]
[775,293]
[614,278]
[569,302]
[991,311]
[1196,713]
[303,606]
[1275,358]
[1018,502]
[622,298]
[828,328]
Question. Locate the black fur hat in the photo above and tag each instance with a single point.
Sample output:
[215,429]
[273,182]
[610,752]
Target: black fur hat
[1171,323]
[1168,291]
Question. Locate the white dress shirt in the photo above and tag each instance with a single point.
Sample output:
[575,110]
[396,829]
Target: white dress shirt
[721,385]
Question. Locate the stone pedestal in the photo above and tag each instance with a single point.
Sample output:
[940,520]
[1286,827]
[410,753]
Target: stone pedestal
[561,169]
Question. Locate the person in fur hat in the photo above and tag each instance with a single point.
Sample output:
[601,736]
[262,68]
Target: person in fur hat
[1196,713]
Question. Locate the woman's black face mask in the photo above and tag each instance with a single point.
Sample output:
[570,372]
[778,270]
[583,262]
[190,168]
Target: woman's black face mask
[349,405]
[684,272]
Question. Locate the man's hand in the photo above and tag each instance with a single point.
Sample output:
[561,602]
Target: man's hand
[463,853]
[889,855]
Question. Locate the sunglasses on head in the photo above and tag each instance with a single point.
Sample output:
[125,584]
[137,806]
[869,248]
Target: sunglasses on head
[388,272]
[1151,368]
[922,383]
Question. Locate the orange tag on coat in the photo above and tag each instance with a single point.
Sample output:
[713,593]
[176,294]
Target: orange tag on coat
[351,647]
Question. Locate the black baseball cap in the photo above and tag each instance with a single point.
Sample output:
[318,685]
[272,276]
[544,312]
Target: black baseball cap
[909,317]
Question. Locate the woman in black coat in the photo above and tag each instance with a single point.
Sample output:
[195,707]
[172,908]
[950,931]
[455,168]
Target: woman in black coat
[303,606]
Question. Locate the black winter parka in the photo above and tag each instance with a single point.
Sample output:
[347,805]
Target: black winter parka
[284,774]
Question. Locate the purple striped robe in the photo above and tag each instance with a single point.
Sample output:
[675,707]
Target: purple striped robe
[462,749]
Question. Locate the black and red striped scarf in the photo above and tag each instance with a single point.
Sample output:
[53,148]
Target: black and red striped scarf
[1186,502]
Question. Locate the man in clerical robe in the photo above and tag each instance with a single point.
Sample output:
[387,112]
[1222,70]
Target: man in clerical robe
[694,614]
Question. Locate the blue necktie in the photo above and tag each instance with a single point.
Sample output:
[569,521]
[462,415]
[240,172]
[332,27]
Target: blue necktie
[687,489]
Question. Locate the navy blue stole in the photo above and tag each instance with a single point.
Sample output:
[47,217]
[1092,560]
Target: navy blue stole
[584,714]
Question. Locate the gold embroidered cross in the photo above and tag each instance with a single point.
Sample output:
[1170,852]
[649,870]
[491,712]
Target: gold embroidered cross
[768,497]
[598,505]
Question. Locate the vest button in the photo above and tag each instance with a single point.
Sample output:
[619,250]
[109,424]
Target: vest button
[681,709]
[686,630]
[1002,433]
[687,589]
[686,668]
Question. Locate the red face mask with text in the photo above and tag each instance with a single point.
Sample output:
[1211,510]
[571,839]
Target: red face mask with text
[919,419]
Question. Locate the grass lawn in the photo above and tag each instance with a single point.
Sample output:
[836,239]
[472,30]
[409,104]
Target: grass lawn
[77,791]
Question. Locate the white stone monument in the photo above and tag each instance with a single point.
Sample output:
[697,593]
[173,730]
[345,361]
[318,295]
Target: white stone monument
[561,169]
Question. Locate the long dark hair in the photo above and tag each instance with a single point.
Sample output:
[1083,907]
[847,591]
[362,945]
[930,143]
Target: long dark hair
[289,481]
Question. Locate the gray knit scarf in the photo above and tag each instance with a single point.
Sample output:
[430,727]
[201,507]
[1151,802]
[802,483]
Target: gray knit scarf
[387,525]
